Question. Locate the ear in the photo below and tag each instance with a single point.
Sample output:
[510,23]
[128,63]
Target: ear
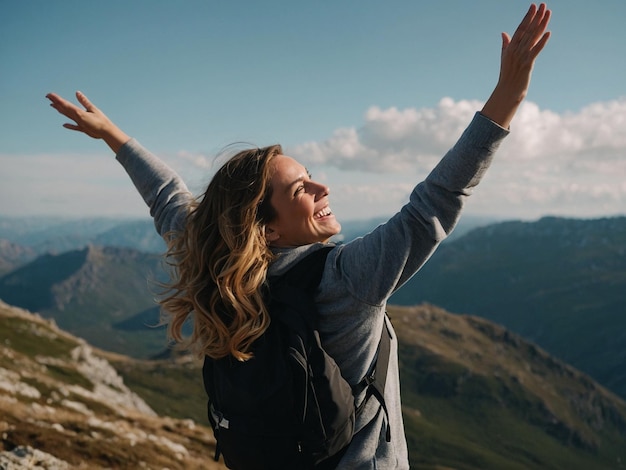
[271,235]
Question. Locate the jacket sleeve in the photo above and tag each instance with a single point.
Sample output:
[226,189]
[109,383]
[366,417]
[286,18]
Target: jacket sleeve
[379,263]
[160,186]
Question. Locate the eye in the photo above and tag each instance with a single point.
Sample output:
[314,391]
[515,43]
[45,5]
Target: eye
[301,187]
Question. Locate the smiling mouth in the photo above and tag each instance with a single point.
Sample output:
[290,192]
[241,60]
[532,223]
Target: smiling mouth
[323,213]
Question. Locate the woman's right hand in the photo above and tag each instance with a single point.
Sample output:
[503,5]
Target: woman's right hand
[90,121]
[517,61]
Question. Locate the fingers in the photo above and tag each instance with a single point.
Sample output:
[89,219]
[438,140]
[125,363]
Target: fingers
[530,14]
[55,100]
[82,99]
[62,105]
[67,109]
[506,40]
[540,21]
[530,37]
[544,14]
[86,118]
[541,44]
[52,96]
[72,127]
[541,30]
[533,27]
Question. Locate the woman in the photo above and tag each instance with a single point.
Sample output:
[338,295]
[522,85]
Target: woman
[262,213]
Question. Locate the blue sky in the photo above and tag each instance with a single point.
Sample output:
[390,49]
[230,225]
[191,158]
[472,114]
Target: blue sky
[367,94]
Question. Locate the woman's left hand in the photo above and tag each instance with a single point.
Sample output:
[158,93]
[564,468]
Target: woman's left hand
[90,120]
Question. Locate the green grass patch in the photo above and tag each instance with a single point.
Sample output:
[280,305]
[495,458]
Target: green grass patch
[69,375]
[169,389]
[33,339]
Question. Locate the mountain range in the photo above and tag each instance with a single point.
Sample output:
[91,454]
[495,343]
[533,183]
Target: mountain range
[57,235]
[560,283]
[40,235]
[103,294]
[474,394]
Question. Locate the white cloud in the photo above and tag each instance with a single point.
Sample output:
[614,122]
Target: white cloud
[595,131]
[569,164]
[391,140]
[196,160]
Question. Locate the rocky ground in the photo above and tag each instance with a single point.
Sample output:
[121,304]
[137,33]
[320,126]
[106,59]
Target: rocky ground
[63,406]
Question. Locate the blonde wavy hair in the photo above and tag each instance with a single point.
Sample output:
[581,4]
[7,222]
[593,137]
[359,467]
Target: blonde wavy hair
[220,260]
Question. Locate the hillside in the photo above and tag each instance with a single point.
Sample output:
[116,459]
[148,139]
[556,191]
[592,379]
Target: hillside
[62,405]
[475,397]
[105,295]
[560,283]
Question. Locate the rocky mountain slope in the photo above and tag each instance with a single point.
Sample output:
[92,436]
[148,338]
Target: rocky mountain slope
[62,405]
[477,396]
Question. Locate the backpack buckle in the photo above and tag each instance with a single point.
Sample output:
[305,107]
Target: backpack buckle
[220,419]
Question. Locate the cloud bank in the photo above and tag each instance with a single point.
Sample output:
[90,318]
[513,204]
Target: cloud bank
[565,164]
[392,140]
[568,164]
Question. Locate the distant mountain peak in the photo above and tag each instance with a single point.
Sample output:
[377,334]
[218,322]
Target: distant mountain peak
[90,290]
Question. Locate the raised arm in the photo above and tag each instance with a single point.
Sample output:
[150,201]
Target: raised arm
[161,187]
[517,62]
[379,263]
[90,121]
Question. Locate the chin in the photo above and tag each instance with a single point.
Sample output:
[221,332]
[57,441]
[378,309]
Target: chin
[332,233]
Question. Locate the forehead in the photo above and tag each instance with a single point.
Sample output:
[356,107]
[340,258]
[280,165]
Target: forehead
[286,170]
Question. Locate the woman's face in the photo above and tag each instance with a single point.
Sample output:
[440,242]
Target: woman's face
[303,215]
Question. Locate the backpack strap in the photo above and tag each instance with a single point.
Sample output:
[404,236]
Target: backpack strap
[376,380]
[307,273]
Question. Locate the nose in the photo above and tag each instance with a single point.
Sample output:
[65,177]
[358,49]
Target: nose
[318,189]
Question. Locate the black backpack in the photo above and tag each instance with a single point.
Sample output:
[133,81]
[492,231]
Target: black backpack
[288,407]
